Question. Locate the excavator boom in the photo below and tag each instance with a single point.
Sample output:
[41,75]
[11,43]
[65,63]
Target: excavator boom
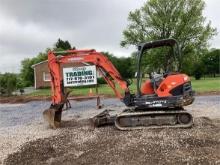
[104,66]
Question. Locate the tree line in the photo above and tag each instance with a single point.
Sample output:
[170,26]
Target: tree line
[206,65]
[182,20]
[10,82]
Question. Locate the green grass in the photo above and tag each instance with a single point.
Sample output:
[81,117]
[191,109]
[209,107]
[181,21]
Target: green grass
[206,85]
[203,85]
[102,89]
[40,92]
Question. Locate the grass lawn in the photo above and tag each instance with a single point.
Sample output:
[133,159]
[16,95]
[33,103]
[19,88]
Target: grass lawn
[203,85]
[206,85]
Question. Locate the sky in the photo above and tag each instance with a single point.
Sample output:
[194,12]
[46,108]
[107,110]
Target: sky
[28,27]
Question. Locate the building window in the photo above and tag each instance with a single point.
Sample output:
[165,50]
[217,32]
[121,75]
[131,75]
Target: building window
[46,76]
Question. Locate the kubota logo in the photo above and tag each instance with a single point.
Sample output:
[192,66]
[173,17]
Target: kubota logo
[76,59]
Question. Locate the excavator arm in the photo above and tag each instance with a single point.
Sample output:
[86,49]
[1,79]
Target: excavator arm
[104,66]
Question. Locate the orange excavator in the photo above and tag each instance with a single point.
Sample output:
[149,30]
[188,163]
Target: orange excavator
[158,102]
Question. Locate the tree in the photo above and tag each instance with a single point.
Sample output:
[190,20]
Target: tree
[179,19]
[27,72]
[199,70]
[8,83]
[123,64]
[62,45]
[211,62]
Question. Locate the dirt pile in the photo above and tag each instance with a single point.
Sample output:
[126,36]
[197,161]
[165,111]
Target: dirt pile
[79,143]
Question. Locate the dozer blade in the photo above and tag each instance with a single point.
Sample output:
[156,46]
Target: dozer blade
[53,117]
[102,119]
[154,119]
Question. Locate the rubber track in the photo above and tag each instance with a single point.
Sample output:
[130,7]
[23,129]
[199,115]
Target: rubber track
[117,124]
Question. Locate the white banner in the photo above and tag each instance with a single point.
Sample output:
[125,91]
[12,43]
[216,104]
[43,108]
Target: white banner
[80,76]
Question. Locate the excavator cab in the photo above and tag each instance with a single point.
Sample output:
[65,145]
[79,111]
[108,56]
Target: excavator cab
[155,78]
[168,85]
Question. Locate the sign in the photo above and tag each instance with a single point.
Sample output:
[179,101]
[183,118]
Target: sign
[80,76]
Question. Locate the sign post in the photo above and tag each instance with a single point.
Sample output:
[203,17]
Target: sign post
[81,76]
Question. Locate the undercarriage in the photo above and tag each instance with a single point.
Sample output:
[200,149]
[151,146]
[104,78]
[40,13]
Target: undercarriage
[130,119]
[150,112]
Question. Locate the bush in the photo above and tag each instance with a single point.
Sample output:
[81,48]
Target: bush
[212,62]
[198,75]
[101,80]
[8,83]
[199,70]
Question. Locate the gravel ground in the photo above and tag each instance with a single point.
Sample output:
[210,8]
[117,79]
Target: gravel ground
[20,123]
[78,143]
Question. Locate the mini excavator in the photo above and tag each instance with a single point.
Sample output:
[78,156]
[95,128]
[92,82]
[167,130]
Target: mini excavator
[158,102]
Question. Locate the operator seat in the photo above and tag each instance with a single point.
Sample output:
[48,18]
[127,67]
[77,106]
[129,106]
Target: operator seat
[156,79]
[149,87]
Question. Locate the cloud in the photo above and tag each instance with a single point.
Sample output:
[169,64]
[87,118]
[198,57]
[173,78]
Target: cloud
[212,14]
[28,26]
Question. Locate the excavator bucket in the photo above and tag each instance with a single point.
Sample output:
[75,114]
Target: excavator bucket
[53,117]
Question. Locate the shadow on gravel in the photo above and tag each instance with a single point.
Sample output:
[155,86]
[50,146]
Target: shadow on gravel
[76,123]
[77,143]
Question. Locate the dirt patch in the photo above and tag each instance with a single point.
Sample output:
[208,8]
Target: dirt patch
[25,99]
[209,93]
[22,99]
[79,143]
